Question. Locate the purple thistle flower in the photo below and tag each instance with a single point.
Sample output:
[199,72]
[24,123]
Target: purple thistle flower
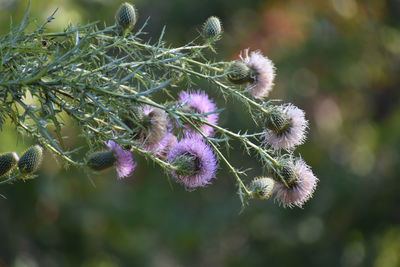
[199,103]
[124,163]
[203,162]
[301,190]
[294,135]
[265,73]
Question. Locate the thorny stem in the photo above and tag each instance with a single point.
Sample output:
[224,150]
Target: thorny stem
[148,101]
[235,135]
[9,180]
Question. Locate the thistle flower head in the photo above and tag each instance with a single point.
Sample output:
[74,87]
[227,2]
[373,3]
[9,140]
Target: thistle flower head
[7,162]
[124,163]
[285,127]
[31,159]
[126,17]
[264,70]
[301,185]
[101,160]
[212,28]
[198,102]
[261,187]
[239,73]
[195,161]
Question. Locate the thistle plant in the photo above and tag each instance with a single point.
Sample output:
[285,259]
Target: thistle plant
[105,79]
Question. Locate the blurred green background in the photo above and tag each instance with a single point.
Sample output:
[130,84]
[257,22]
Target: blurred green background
[336,59]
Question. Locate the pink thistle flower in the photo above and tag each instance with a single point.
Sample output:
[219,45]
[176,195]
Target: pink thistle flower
[199,103]
[196,159]
[300,190]
[292,134]
[124,163]
[264,73]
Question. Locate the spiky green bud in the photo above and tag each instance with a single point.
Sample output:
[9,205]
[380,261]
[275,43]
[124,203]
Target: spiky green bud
[276,121]
[286,172]
[239,73]
[212,28]
[186,164]
[126,17]
[261,187]
[7,162]
[31,159]
[99,161]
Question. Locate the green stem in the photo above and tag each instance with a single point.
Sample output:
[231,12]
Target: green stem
[9,180]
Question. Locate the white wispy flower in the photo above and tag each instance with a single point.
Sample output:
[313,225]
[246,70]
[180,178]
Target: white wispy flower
[302,188]
[293,134]
[264,73]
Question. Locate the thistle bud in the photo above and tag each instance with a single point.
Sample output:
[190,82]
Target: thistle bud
[7,162]
[239,73]
[286,172]
[99,161]
[126,17]
[277,122]
[186,164]
[31,159]
[212,28]
[262,187]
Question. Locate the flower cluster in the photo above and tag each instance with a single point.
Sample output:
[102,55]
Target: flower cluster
[141,102]
[193,159]
[284,128]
